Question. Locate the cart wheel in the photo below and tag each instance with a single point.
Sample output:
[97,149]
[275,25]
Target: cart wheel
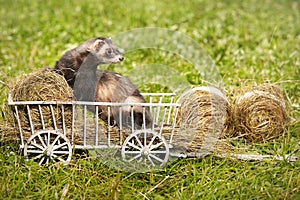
[48,146]
[146,146]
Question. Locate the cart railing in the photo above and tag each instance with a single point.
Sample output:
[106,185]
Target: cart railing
[85,129]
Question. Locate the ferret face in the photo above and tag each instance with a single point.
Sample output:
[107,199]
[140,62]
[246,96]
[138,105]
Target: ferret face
[105,51]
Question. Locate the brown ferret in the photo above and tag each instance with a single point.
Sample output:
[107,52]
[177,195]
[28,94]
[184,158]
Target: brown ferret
[79,67]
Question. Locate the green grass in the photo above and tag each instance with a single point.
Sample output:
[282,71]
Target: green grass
[249,41]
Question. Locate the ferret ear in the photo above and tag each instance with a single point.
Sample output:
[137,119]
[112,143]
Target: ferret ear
[97,45]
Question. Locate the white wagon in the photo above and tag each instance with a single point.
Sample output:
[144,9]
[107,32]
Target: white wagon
[69,126]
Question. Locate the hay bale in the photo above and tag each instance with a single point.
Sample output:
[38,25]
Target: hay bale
[260,112]
[43,85]
[8,133]
[203,117]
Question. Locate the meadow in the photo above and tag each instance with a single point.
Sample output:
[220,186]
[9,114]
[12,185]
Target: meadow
[248,41]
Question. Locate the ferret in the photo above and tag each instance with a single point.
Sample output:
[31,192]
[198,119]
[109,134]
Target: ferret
[79,67]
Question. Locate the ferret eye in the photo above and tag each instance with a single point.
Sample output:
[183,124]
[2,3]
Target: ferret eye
[109,51]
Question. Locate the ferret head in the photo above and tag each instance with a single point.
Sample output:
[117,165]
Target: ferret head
[105,51]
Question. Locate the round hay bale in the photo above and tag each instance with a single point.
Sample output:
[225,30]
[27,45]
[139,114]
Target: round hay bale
[43,85]
[203,117]
[260,112]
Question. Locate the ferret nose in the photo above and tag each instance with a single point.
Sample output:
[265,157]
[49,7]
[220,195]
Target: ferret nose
[121,58]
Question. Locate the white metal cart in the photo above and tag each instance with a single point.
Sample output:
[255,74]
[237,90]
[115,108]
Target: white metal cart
[69,125]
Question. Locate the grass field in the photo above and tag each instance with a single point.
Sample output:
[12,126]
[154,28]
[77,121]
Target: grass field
[248,41]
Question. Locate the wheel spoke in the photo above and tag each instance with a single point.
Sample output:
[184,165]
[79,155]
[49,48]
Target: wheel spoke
[135,157]
[158,152]
[46,139]
[149,158]
[42,141]
[59,146]
[55,140]
[42,160]
[59,158]
[139,141]
[37,157]
[156,158]
[134,146]
[152,140]
[133,152]
[61,152]
[33,145]
[140,160]
[34,151]
[156,145]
